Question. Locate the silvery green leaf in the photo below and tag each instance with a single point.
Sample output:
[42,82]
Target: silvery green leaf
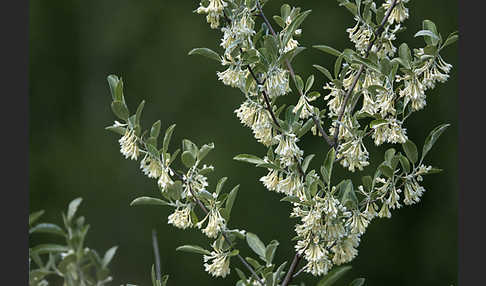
[411,151]
[389,154]
[110,253]
[47,228]
[138,113]
[47,248]
[270,251]
[112,82]
[405,164]
[327,49]
[241,274]
[35,216]
[167,137]
[429,25]
[148,201]
[249,159]
[367,183]
[193,249]
[285,10]
[206,53]
[230,200]
[155,130]
[188,159]
[326,169]
[377,123]
[255,244]
[309,83]
[73,207]
[120,110]
[432,138]
[324,71]
[386,170]
[305,163]
[452,38]
[405,55]
[357,282]
[204,151]
[279,21]
[426,33]
[334,275]
[117,129]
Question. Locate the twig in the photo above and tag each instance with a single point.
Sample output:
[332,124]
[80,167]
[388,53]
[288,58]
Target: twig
[156,254]
[360,71]
[292,75]
[292,268]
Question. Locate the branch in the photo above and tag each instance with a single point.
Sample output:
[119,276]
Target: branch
[360,71]
[292,75]
[156,254]
[292,268]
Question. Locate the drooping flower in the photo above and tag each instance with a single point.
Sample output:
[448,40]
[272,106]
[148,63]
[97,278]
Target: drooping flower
[287,148]
[271,180]
[345,250]
[214,225]
[358,222]
[234,76]
[307,109]
[150,167]
[181,218]
[217,263]
[277,82]
[413,91]
[214,10]
[360,35]
[246,113]
[165,180]
[399,13]
[128,145]
[390,131]
[354,154]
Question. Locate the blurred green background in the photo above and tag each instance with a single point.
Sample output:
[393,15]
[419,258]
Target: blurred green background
[74,45]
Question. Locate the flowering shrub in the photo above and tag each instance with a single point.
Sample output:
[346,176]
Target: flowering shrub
[370,93]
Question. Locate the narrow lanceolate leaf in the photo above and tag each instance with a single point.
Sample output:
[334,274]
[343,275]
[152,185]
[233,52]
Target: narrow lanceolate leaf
[334,275]
[47,228]
[193,249]
[110,253]
[357,282]
[112,82]
[155,130]
[47,248]
[248,158]
[231,200]
[149,201]
[255,244]
[452,38]
[73,207]
[432,138]
[167,136]
[35,216]
[327,49]
[324,71]
[328,163]
[206,53]
[120,110]
[411,151]
[426,33]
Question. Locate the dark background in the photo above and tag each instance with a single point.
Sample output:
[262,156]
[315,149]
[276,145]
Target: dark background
[74,45]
